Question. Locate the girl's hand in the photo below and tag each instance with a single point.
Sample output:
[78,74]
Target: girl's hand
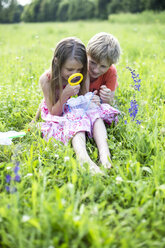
[96,98]
[70,91]
[106,94]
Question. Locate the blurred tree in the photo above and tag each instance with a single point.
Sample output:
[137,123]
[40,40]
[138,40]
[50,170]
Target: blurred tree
[64,10]
[81,9]
[62,14]
[101,11]
[10,11]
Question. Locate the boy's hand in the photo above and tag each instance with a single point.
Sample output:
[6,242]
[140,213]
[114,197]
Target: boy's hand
[106,94]
[96,98]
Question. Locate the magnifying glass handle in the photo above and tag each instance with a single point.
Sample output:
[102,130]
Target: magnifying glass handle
[74,96]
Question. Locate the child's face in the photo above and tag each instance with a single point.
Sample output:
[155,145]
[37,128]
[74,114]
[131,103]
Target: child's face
[97,69]
[70,67]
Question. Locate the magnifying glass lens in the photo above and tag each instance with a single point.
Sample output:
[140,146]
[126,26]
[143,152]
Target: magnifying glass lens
[75,79]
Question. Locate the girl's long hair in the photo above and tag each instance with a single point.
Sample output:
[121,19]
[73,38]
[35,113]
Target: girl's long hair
[68,48]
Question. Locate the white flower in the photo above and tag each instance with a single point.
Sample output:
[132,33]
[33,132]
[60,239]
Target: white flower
[66,159]
[56,156]
[77,218]
[8,168]
[70,186]
[119,179]
[28,175]
[25,218]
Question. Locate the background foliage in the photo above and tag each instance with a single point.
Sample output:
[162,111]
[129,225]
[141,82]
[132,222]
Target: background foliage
[67,10]
[57,203]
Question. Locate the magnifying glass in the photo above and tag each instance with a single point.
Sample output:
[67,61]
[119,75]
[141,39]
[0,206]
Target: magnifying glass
[75,79]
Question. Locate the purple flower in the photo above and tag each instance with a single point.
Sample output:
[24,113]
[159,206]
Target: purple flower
[133,109]
[8,178]
[125,122]
[16,169]
[7,189]
[138,122]
[17,178]
[137,87]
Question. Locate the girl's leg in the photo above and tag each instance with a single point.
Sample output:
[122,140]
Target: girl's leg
[100,137]
[79,146]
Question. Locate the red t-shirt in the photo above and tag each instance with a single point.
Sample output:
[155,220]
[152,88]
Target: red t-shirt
[109,79]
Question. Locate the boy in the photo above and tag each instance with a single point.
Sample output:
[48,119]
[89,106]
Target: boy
[103,51]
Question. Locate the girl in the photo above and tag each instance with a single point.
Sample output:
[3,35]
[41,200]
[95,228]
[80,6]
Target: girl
[69,57]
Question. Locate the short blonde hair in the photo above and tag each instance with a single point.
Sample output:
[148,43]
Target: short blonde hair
[104,46]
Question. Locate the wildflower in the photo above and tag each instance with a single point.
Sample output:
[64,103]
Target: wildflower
[138,122]
[125,122]
[17,178]
[66,159]
[134,109]
[77,218]
[56,156]
[28,175]
[25,218]
[119,179]
[8,178]
[7,188]
[16,169]
[70,186]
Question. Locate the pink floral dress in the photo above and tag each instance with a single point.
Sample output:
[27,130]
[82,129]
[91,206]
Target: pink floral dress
[64,127]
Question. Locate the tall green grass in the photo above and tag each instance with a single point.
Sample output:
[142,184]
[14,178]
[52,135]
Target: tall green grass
[57,203]
[146,17]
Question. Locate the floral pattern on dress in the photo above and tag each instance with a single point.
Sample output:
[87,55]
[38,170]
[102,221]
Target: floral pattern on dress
[64,127]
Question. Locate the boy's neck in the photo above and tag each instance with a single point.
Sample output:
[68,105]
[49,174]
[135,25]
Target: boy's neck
[93,79]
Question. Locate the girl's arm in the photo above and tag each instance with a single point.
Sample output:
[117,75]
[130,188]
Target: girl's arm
[38,113]
[69,91]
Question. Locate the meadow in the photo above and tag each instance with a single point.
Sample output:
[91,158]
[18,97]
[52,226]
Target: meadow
[53,202]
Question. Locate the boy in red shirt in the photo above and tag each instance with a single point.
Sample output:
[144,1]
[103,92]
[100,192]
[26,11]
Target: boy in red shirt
[103,51]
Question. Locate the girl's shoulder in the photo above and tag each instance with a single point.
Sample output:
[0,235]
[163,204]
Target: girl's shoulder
[45,78]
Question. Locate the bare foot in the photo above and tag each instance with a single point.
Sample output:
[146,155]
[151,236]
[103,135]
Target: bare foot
[92,166]
[106,162]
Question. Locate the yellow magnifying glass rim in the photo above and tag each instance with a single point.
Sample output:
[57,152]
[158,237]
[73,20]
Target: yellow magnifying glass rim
[75,75]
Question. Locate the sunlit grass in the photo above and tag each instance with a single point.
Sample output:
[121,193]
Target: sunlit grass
[57,203]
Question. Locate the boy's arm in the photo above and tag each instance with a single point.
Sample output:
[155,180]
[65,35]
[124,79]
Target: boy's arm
[107,91]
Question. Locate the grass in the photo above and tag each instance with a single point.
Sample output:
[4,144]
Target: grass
[145,17]
[57,204]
